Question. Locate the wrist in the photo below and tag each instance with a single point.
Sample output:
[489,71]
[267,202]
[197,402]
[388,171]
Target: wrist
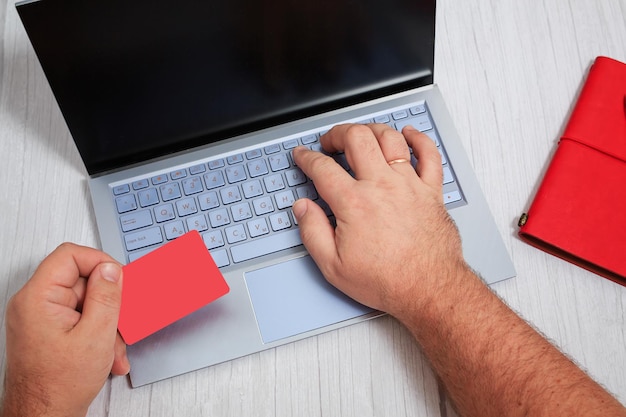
[26,395]
[432,301]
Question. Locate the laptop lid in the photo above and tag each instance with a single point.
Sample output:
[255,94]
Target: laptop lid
[141,79]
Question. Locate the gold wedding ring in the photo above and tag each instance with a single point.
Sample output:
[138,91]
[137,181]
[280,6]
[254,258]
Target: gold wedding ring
[397,161]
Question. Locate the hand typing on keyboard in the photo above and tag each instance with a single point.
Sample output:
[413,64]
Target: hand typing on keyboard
[386,216]
[396,249]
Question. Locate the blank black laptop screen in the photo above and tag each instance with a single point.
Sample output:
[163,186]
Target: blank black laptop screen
[137,79]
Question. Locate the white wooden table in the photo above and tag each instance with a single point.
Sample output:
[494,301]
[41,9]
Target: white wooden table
[509,71]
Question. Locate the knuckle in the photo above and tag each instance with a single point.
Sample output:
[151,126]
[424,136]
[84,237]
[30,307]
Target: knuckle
[389,134]
[108,299]
[357,133]
[66,246]
[320,163]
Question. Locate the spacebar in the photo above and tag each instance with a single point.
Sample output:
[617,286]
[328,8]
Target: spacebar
[266,245]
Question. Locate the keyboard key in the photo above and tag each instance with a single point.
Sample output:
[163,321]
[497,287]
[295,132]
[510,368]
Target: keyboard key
[159,179]
[218,218]
[451,197]
[308,139]
[138,185]
[143,238]
[186,207]
[253,154]
[197,169]
[125,203]
[208,200]
[307,191]
[121,189]
[214,179]
[170,191]
[266,245]
[400,114]
[280,221]
[415,110]
[257,168]
[284,199]
[164,213]
[447,175]
[274,183]
[192,185]
[279,162]
[257,227]
[173,229]
[263,205]
[213,239]
[421,123]
[236,173]
[178,174]
[270,149]
[148,197]
[295,177]
[252,189]
[234,159]
[220,257]
[290,144]
[235,233]
[136,220]
[241,212]
[198,223]
[230,194]
[218,163]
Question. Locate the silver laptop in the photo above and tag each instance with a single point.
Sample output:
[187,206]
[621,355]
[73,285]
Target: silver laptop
[185,115]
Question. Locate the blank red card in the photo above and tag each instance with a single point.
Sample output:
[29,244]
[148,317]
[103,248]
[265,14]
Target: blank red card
[166,285]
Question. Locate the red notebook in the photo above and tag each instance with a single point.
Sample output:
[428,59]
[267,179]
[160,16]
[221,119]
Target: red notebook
[579,211]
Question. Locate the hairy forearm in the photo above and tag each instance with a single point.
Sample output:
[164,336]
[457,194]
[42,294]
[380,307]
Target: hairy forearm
[492,363]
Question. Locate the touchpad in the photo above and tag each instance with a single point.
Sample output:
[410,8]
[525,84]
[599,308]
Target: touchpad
[294,297]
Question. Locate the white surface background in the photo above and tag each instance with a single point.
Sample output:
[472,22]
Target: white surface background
[509,71]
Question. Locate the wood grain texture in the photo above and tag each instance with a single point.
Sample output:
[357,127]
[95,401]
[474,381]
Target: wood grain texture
[509,72]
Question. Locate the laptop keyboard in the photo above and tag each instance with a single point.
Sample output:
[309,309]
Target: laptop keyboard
[241,204]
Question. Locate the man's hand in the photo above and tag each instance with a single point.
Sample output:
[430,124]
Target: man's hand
[62,340]
[396,249]
[393,235]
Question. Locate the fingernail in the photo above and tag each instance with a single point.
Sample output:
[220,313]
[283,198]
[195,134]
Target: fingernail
[409,127]
[299,209]
[111,272]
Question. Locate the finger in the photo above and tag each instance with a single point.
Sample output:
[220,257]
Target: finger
[101,307]
[429,160]
[79,289]
[392,143]
[121,365]
[67,263]
[318,235]
[360,146]
[329,177]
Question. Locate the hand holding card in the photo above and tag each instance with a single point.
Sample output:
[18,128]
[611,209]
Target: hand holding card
[167,285]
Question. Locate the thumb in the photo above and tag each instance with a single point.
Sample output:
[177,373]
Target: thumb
[317,234]
[103,299]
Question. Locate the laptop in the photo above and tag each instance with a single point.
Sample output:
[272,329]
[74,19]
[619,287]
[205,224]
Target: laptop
[185,114]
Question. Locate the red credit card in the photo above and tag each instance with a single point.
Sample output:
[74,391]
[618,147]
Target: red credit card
[166,285]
